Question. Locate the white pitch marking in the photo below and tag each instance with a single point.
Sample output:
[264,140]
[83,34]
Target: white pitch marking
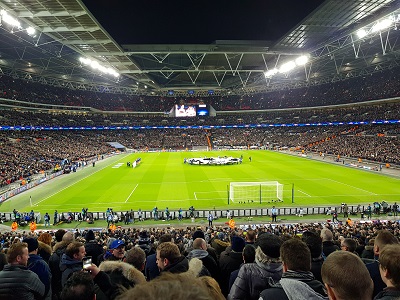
[195,197]
[304,193]
[352,186]
[131,193]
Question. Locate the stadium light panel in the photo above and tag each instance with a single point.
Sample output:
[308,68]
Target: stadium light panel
[302,60]
[361,33]
[95,65]
[31,31]
[6,18]
[271,72]
[381,25]
[286,67]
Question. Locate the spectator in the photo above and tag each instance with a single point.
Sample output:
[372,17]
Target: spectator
[200,251]
[37,265]
[230,261]
[368,252]
[253,278]
[136,257]
[389,259]
[16,281]
[249,254]
[116,252]
[169,259]
[79,286]
[349,245]
[45,250]
[383,239]
[213,287]
[314,243]
[297,280]
[71,260]
[92,247]
[151,268]
[328,246]
[346,277]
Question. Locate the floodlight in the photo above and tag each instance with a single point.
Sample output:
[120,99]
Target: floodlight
[302,60]
[361,33]
[9,19]
[31,31]
[271,72]
[381,25]
[286,67]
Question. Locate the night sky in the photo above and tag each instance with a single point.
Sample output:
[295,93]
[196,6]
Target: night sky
[198,22]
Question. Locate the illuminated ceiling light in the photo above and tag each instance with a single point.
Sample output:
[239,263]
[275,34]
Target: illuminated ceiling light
[361,33]
[95,65]
[286,67]
[302,60]
[381,25]
[9,19]
[271,72]
[31,31]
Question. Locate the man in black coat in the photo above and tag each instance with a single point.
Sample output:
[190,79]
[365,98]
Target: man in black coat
[229,261]
[200,251]
[169,259]
[297,281]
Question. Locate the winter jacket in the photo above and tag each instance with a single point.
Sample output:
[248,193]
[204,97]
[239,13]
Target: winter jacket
[328,247]
[94,250]
[17,282]
[388,294]
[208,262]
[44,251]
[368,252]
[38,266]
[254,278]
[295,288]
[219,245]
[68,266]
[151,269]
[180,266]
[54,264]
[373,269]
[229,261]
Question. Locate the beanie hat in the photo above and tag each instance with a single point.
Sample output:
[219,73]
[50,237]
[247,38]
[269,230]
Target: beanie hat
[270,244]
[237,243]
[33,244]
[89,235]
[198,234]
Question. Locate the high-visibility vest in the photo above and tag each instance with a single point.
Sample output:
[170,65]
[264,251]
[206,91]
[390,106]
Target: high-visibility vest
[14,226]
[231,223]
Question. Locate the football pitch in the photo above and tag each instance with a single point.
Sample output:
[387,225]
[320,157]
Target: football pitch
[163,180]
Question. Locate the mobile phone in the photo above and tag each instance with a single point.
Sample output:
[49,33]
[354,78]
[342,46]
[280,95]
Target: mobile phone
[86,262]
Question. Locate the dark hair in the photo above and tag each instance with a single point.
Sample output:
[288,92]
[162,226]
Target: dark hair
[296,255]
[79,286]
[249,253]
[314,243]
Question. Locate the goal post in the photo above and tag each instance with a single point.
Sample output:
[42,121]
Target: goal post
[245,192]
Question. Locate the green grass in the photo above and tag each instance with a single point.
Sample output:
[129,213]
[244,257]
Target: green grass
[162,179]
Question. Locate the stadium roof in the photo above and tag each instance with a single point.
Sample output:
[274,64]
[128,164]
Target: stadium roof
[65,31]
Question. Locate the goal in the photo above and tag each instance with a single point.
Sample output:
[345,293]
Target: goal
[246,192]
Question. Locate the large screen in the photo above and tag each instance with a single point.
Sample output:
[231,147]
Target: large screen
[185,110]
[202,110]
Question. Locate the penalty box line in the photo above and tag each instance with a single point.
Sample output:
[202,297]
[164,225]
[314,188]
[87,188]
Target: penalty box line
[195,193]
[131,192]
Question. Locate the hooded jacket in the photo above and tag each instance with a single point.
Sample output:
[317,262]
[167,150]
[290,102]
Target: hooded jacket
[68,266]
[44,251]
[208,262]
[37,265]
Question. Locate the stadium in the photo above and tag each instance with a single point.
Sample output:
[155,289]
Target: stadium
[315,113]
[224,150]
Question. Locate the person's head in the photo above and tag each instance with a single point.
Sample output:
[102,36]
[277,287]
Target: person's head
[326,235]
[389,261]
[237,243]
[117,249]
[18,254]
[68,237]
[169,286]
[295,255]
[45,238]
[59,235]
[33,245]
[346,277]
[165,238]
[199,243]
[314,243]
[167,253]
[76,250]
[383,239]
[348,245]
[249,254]
[79,286]
[250,236]
[136,257]
[268,247]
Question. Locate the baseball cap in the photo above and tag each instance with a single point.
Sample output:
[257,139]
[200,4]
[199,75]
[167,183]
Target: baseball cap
[116,244]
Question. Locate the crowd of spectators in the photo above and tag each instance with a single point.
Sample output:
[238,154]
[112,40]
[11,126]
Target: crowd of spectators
[273,261]
[379,85]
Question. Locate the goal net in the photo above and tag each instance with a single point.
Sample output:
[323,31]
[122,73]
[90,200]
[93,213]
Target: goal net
[267,191]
